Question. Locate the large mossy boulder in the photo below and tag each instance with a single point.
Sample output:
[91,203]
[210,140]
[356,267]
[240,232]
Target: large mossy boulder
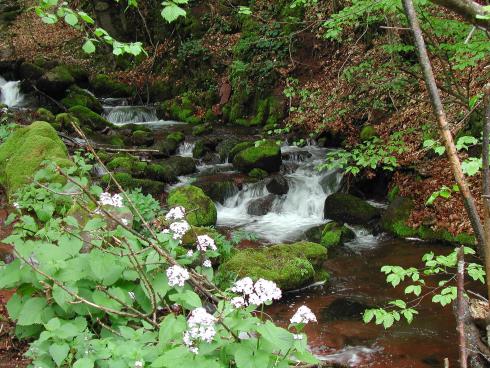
[216,188]
[394,219]
[89,119]
[106,86]
[30,71]
[24,151]
[266,156]
[200,209]
[127,181]
[170,144]
[80,97]
[56,81]
[290,266]
[237,148]
[347,208]
[181,165]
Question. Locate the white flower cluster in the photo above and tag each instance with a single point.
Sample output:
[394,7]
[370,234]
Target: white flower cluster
[176,213]
[179,229]
[204,242]
[260,292]
[207,264]
[177,275]
[110,200]
[303,315]
[201,328]
[138,364]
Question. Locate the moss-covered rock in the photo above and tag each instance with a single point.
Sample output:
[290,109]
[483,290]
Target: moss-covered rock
[55,81]
[190,237]
[258,174]
[128,164]
[224,148]
[334,234]
[142,138]
[106,86]
[178,137]
[79,97]
[64,120]
[367,132]
[202,129]
[394,219]
[266,156]
[45,115]
[201,210]
[24,151]
[218,189]
[238,148]
[160,172]
[347,208]
[88,118]
[290,266]
[129,182]
[181,165]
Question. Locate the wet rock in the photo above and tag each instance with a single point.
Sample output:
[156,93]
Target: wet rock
[394,219]
[106,86]
[343,309]
[350,209]
[142,138]
[239,148]
[267,157]
[200,209]
[261,206]
[258,174]
[202,129]
[56,81]
[297,156]
[89,119]
[278,185]
[30,71]
[203,147]
[127,181]
[217,189]
[290,266]
[79,97]
[334,234]
[181,165]
[330,183]
[224,148]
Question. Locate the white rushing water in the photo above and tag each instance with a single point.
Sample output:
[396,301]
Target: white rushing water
[291,214]
[121,114]
[10,93]
[185,149]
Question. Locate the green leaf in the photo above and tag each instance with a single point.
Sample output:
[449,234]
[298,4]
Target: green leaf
[86,18]
[278,337]
[31,311]
[59,352]
[71,19]
[171,328]
[368,315]
[94,224]
[88,47]
[248,357]
[84,363]
[172,11]
[188,299]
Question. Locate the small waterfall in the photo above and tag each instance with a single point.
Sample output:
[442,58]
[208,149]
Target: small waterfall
[10,94]
[121,115]
[185,149]
[292,213]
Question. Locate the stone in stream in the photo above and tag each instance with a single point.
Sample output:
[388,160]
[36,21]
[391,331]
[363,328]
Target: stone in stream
[89,119]
[79,97]
[278,185]
[266,156]
[218,189]
[200,209]
[290,266]
[343,309]
[347,208]
[170,144]
[55,81]
[261,206]
[181,165]
[330,235]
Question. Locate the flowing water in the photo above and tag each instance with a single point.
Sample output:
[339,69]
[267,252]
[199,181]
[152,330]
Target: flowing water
[10,93]
[340,337]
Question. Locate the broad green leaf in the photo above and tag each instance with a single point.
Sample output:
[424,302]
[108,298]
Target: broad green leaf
[88,47]
[71,19]
[59,352]
[172,11]
[188,299]
[84,363]
[31,311]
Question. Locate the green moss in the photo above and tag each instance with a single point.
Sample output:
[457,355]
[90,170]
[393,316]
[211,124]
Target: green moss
[401,230]
[116,141]
[267,157]
[142,138]
[161,172]
[347,208]
[181,165]
[238,148]
[109,87]
[89,118]
[199,149]
[335,234]
[190,237]
[79,97]
[258,174]
[176,136]
[367,132]
[128,164]
[394,219]
[289,265]
[24,151]
[60,73]
[64,120]
[393,193]
[210,116]
[201,210]
[30,71]
[202,129]
[45,115]
[129,182]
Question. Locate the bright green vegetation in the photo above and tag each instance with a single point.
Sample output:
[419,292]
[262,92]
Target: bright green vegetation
[334,234]
[201,210]
[88,118]
[25,150]
[79,97]
[347,208]
[291,266]
[109,87]
[266,156]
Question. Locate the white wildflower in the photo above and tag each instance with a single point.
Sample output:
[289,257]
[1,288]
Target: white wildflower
[303,315]
[190,253]
[194,350]
[298,336]
[16,205]
[125,221]
[179,229]
[138,364]
[238,302]
[207,263]
[106,199]
[201,328]
[245,286]
[131,295]
[177,275]
[204,242]
[176,213]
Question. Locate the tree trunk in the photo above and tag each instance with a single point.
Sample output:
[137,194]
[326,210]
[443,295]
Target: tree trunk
[486,181]
[443,125]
